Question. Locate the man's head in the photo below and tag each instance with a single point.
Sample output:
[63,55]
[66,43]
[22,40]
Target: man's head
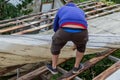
[69,1]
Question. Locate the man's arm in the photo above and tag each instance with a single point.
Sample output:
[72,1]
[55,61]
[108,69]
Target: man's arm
[56,23]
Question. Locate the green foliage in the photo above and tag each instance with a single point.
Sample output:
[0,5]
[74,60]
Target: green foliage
[108,2]
[96,70]
[116,1]
[78,1]
[45,1]
[117,54]
[54,77]
[8,10]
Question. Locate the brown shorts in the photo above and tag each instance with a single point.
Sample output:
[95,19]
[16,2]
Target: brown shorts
[61,37]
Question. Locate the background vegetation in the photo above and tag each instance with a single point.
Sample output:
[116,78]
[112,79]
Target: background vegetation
[8,10]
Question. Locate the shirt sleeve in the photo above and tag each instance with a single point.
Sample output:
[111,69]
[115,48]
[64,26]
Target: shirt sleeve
[56,23]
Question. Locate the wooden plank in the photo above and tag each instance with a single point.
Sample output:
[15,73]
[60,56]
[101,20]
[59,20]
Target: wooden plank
[23,25]
[8,69]
[25,16]
[94,7]
[88,4]
[103,13]
[85,2]
[108,72]
[32,29]
[87,65]
[26,19]
[64,72]
[102,9]
[35,45]
[38,71]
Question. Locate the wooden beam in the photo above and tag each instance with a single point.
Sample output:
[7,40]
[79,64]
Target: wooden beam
[108,72]
[25,16]
[85,2]
[113,58]
[93,7]
[23,25]
[87,65]
[38,71]
[64,72]
[24,20]
[102,9]
[8,69]
[104,13]
[89,4]
[32,29]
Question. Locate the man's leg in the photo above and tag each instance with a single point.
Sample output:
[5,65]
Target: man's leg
[53,67]
[54,61]
[77,65]
[79,56]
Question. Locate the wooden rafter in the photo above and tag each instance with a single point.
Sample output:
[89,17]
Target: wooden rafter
[108,72]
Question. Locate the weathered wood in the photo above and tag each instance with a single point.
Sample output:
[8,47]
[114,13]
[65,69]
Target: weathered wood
[24,70]
[32,29]
[94,7]
[85,2]
[64,72]
[25,16]
[35,45]
[108,72]
[87,65]
[23,25]
[26,19]
[103,13]
[88,4]
[38,71]
[102,9]
[8,69]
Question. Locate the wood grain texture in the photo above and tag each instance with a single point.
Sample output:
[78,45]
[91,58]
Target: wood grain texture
[108,72]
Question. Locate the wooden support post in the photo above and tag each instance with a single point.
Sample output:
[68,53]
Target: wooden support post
[87,65]
[108,72]
[38,71]
[53,3]
[41,5]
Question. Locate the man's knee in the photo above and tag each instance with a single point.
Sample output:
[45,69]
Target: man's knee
[81,48]
[55,52]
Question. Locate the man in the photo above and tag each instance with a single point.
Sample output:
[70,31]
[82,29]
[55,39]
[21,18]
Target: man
[69,25]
